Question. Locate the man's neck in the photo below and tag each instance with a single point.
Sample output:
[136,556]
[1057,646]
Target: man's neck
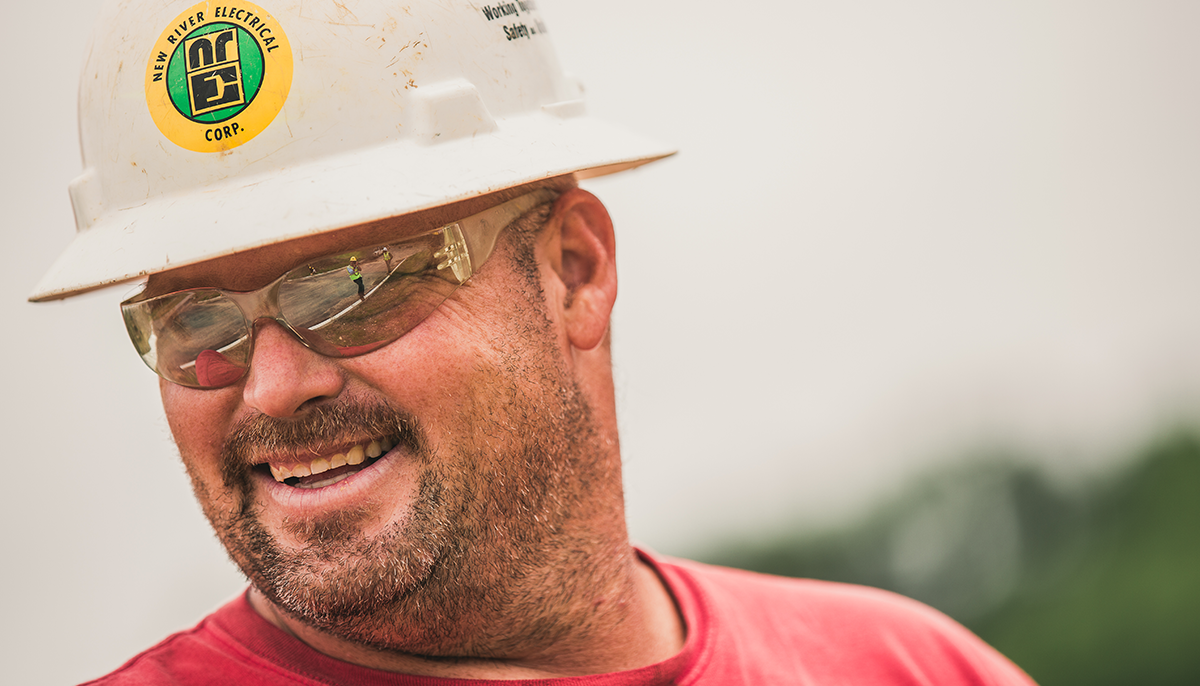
[634,624]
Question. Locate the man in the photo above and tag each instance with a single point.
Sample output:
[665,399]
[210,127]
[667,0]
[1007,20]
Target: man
[422,482]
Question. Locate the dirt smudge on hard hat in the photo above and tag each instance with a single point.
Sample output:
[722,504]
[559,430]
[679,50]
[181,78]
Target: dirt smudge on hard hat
[345,11]
[406,46]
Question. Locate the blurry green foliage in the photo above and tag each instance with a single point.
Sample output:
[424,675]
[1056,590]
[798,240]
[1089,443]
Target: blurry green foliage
[1096,586]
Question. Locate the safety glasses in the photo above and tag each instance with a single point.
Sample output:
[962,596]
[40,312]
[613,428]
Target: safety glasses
[340,306]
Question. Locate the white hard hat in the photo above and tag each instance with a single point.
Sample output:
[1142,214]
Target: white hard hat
[215,127]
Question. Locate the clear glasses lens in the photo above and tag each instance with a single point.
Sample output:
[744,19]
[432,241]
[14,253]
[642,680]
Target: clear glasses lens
[401,286]
[195,338]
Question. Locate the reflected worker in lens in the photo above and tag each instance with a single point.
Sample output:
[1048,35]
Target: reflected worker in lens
[356,276]
[420,473]
[387,257]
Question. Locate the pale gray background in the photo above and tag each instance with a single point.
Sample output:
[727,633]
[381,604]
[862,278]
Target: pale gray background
[954,225]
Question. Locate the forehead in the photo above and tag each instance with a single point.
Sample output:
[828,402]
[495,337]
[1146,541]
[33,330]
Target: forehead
[251,269]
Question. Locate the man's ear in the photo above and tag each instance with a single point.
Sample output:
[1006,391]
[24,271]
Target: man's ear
[583,255]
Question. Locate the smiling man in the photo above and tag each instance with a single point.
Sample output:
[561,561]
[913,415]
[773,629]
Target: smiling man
[454,493]
[379,308]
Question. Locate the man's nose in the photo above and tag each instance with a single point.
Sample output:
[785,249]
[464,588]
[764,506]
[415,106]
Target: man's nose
[285,376]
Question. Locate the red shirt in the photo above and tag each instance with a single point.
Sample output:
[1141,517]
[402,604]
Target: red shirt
[742,628]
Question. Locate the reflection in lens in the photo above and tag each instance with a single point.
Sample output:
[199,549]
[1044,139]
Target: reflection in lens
[320,301]
[318,292]
[214,369]
[196,338]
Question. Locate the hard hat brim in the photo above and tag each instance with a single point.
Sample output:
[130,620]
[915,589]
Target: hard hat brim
[354,188]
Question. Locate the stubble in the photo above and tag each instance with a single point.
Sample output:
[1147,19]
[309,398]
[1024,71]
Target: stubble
[492,514]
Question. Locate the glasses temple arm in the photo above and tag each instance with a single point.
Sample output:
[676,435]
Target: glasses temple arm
[480,231]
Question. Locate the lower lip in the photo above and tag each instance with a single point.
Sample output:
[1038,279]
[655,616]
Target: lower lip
[348,491]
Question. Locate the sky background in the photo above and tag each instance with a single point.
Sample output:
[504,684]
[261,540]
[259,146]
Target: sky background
[895,235]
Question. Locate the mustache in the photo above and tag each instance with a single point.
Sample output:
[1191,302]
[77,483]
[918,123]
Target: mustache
[322,425]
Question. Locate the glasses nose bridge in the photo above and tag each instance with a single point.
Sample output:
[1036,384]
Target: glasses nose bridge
[262,305]
[259,304]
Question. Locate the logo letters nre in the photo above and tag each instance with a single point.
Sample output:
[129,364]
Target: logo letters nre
[218,76]
[214,72]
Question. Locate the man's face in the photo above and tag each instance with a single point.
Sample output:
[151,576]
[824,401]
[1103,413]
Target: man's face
[491,446]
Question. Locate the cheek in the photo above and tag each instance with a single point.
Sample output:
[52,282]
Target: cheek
[199,421]
[458,364]
[429,370]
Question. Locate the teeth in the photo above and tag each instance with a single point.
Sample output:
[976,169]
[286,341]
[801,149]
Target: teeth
[354,456]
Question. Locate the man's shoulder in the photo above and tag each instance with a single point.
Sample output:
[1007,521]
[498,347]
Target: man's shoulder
[200,655]
[154,665]
[743,590]
[834,631]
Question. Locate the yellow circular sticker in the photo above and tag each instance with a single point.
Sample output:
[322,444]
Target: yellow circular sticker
[218,75]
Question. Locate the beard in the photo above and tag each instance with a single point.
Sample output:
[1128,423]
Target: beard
[465,572]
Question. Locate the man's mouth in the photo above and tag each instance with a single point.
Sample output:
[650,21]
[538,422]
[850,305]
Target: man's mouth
[327,470]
